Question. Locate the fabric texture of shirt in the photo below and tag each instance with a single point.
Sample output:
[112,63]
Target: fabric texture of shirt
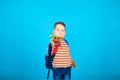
[62,57]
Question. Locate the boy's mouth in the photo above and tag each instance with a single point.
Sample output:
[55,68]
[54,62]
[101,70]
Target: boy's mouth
[60,35]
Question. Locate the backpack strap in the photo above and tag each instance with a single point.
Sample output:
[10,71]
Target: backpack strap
[66,41]
[49,48]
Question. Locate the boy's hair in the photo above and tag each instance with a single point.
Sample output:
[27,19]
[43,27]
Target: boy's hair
[62,23]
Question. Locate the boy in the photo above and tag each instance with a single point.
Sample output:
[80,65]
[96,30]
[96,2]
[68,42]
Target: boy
[62,62]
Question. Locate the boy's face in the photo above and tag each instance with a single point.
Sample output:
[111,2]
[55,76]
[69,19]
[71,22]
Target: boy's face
[59,30]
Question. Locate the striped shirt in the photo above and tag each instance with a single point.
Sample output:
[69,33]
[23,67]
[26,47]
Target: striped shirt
[62,57]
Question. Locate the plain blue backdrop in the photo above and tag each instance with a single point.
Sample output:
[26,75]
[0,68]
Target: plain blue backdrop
[93,33]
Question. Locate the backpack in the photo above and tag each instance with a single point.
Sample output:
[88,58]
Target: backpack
[49,57]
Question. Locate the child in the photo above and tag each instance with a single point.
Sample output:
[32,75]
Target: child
[62,62]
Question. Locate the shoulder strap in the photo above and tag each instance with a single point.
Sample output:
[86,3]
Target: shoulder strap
[66,41]
[49,48]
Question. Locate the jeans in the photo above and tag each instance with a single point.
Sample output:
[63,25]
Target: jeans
[61,73]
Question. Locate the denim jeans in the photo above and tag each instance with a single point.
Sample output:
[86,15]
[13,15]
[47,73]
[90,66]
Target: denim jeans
[61,73]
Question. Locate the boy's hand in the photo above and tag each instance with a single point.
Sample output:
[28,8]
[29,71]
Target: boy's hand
[55,40]
[73,63]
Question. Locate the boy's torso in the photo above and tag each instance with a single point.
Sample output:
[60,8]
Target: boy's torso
[62,57]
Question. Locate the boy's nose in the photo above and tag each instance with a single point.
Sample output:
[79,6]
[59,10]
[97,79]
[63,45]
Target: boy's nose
[60,31]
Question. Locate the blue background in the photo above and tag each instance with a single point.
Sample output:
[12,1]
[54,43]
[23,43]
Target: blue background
[93,33]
